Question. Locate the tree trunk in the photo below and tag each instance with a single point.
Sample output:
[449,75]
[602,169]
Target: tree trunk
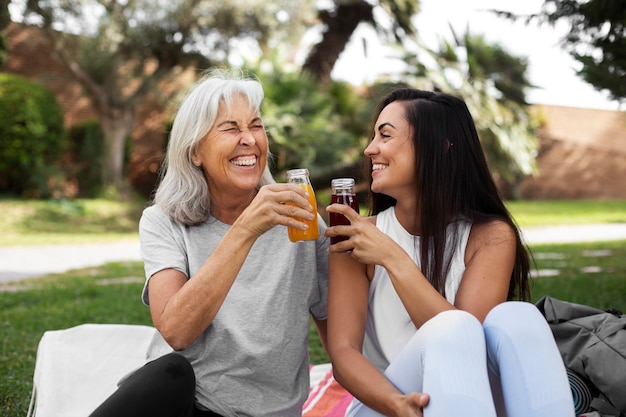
[117,125]
[340,25]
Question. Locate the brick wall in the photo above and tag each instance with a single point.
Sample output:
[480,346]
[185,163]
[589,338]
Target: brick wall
[582,155]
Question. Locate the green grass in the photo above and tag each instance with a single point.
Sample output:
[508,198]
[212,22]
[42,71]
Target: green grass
[558,212]
[32,222]
[39,222]
[587,273]
[111,294]
[584,273]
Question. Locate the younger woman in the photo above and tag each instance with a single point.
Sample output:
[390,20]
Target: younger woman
[421,317]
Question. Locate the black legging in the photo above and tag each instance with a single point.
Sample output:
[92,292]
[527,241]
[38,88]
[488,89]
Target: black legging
[164,387]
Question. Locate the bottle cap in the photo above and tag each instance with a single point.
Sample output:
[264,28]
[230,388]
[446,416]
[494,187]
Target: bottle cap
[296,172]
[342,183]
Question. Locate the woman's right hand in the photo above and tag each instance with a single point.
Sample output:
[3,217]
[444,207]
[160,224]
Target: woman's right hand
[366,243]
[277,204]
[412,404]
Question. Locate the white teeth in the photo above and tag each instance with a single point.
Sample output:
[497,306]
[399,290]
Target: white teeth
[243,162]
[376,167]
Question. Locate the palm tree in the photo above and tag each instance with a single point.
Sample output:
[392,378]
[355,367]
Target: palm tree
[341,21]
[492,82]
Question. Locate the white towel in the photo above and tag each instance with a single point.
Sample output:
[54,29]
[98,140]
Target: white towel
[78,368]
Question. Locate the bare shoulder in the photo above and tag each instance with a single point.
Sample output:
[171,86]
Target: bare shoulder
[492,233]
[494,238]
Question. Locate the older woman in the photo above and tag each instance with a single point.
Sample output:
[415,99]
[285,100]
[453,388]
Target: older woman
[227,289]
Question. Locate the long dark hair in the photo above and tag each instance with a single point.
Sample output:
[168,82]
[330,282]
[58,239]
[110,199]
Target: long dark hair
[454,181]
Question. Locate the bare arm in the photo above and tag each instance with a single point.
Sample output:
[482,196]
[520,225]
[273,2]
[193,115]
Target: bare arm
[347,311]
[182,309]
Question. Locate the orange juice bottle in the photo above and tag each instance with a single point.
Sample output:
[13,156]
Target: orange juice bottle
[300,177]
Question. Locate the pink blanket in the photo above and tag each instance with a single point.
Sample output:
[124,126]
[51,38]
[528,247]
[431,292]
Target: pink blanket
[326,398]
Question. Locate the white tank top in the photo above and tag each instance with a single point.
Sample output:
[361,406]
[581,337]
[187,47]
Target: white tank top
[388,326]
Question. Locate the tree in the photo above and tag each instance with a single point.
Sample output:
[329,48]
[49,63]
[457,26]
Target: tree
[492,82]
[120,51]
[5,19]
[309,126]
[341,20]
[596,39]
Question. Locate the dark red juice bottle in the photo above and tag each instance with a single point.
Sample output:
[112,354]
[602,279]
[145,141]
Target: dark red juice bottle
[342,193]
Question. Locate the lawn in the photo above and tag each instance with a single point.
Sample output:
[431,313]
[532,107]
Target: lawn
[32,222]
[588,273]
[43,222]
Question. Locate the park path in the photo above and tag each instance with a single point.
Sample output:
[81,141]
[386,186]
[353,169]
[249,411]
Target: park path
[22,262]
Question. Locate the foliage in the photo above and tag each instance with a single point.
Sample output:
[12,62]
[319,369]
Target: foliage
[338,19]
[492,82]
[320,129]
[5,19]
[120,51]
[596,39]
[31,137]
[86,145]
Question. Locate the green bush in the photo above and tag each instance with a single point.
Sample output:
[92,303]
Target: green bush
[320,128]
[31,137]
[86,144]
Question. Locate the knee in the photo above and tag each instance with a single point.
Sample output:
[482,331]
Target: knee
[455,320]
[179,367]
[518,321]
[516,316]
[174,369]
[454,328]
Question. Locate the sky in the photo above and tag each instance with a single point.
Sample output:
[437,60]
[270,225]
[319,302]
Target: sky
[549,67]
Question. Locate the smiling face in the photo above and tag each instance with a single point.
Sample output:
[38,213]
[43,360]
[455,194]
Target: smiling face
[392,153]
[233,154]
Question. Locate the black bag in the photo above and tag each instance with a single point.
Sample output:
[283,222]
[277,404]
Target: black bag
[592,343]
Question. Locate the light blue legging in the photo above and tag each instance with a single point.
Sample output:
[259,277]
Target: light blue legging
[457,361]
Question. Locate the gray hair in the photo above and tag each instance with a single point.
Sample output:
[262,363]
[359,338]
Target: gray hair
[183,193]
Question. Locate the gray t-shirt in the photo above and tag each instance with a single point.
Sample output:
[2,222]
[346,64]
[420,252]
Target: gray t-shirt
[253,359]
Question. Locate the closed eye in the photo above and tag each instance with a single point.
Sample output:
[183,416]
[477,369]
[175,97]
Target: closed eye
[228,126]
[383,128]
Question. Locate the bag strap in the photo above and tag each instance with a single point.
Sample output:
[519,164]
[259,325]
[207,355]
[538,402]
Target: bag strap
[604,407]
